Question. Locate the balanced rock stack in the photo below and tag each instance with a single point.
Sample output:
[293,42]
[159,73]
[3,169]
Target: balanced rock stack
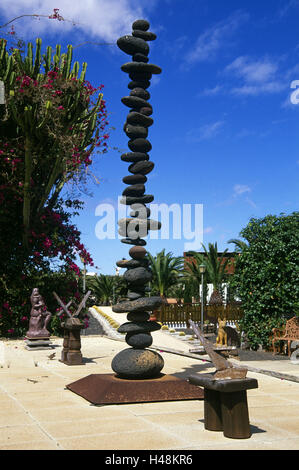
[137,362]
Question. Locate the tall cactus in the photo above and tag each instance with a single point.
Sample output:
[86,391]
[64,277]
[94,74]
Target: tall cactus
[32,120]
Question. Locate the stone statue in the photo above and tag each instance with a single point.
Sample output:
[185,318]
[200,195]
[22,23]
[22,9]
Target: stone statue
[39,317]
[222,334]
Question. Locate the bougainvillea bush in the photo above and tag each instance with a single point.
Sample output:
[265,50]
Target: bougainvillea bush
[52,126]
[266,276]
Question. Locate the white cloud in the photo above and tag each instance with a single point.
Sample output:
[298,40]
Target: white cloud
[251,203]
[256,76]
[100,19]
[211,91]
[205,132]
[285,10]
[241,189]
[255,90]
[216,38]
[257,71]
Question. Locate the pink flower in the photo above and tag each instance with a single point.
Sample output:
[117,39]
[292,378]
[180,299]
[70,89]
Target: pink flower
[47,242]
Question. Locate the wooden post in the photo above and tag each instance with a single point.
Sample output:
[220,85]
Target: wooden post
[225,404]
[74,356]
[212,410]
[65,345]
[235,416]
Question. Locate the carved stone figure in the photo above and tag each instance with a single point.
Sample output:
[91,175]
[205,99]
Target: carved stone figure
[39,317]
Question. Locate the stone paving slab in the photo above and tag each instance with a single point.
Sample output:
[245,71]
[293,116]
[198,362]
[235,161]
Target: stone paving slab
[38,412]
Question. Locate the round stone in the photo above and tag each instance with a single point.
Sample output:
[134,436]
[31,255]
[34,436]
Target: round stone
[140,58]
[142,25]
[130,241]
[134,102]
[133,296]
[136,132]
[134,190]
[146,35]
[132,45]
[143,167]
[141,212]
[141,93]
[141,223]
[146,110]
[137,364]
[133,232]
[137,276]
[134,179]
[139,340]
[139,327]
[136,118]
[132,263]
[139,84]
[140,67]
[139,145]
[138,316]
[140,76]
[134,157]
[137,252]
[139,305]
[129,200]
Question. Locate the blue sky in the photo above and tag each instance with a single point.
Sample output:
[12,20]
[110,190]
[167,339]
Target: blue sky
[225,132]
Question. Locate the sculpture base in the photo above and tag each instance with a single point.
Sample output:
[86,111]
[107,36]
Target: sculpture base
[108,389]
[35,344]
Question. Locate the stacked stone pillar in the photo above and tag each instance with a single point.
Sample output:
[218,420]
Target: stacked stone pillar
[137,361]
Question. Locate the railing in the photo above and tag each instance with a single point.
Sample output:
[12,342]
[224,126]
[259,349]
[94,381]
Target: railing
[178,314]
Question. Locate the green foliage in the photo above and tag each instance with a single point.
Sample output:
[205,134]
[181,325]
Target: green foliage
[166,270]
[266,275]
[51,124]
[216,267]
[105,288]
[15,313]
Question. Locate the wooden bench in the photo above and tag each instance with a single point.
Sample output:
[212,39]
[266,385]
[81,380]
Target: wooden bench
[290,332]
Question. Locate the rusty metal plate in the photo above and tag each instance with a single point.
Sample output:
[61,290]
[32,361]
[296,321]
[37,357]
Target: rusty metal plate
[105,389]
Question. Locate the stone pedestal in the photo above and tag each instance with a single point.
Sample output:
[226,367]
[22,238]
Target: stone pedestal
[34,344]
[71,352]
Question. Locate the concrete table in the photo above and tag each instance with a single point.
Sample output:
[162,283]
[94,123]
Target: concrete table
[225,404]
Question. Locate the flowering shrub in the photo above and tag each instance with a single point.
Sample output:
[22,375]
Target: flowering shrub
[51,128]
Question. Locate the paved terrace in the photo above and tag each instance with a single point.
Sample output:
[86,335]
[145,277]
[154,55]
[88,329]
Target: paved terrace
[38,412]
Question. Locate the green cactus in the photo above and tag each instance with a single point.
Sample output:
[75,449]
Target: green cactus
[83,72]
[38,58]
[47,59]
[28,61]
[31,123]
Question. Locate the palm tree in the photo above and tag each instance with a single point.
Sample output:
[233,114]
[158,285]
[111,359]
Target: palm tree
[216,267]
[104,287]
[215,270]
[240,245]
[193,275]
[166,270]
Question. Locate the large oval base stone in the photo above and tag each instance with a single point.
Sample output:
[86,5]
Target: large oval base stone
[137,364]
